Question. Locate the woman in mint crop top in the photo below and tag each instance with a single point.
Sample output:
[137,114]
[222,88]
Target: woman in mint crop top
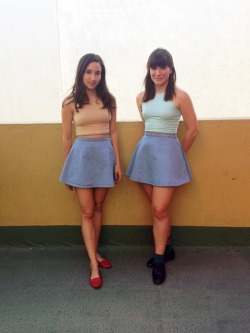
[92,163]
[159,162]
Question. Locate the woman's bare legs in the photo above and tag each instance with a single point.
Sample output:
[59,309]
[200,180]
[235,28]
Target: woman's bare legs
[99,196]
[91,201]
[160,198]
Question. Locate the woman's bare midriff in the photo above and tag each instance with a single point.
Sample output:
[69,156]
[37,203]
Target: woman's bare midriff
[93,136]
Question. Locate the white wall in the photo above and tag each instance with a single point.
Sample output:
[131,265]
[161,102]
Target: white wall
[30,85]
[42,41]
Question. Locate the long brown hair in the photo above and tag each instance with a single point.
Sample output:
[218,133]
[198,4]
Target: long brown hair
[79,94]
[159,58]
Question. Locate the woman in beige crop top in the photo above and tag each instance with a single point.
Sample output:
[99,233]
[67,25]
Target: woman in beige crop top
[92,162]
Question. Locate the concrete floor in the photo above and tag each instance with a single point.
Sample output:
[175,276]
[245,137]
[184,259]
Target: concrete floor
[46,290]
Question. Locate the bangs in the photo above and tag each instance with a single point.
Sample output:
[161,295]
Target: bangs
[158,62]
[160,58]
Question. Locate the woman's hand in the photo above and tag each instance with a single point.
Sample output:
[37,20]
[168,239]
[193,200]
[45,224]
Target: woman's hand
[118,174]
[69,187]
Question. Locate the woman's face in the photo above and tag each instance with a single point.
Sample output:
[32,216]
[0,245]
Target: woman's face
[160,75]
[92,75]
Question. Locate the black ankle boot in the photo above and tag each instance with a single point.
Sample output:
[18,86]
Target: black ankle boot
[159,273]
[168,257]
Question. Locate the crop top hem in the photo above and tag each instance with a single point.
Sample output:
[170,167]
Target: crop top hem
[160,132]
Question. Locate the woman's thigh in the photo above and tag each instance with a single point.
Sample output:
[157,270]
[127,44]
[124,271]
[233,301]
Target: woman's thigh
[90,197]
[86,199]
[100,195]
[148,190]
[161,197]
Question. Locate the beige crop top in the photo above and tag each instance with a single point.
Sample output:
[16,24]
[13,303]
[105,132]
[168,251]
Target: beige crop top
[91,119]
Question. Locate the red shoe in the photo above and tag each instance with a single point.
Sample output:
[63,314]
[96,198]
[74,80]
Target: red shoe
[95,282]
[104,263]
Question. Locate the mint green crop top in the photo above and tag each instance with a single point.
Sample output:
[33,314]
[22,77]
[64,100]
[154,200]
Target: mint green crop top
[161,116]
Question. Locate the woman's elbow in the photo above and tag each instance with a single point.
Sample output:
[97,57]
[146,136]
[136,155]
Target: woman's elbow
[195,131]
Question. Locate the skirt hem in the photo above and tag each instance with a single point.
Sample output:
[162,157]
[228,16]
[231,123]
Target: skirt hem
[160,185]
[86,186]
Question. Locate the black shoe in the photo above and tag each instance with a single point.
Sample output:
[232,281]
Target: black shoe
[159,273]
[168,257]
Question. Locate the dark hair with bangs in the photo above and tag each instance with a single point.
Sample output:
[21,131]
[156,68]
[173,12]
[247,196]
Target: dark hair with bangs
[79,94]
[159,58]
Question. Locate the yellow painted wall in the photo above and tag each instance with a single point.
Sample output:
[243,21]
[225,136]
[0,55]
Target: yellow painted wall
[31,161]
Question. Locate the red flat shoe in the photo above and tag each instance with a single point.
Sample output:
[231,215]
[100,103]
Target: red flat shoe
[96,282]
[104,263]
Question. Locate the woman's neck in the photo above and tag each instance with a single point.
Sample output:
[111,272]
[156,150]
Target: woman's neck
[92,96]
[160,89]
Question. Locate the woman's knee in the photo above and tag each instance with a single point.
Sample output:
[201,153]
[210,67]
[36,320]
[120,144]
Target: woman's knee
[160,213]
[87,214]
[98,206]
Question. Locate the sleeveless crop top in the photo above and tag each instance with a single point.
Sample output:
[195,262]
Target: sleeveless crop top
[91,120]
[161,116]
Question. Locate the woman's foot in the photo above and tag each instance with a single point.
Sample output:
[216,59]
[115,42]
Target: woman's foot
[168,256]
[159,273]
[95,280]
[103,263]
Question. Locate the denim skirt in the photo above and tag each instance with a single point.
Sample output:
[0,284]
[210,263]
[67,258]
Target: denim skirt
[159,160]
[90,163]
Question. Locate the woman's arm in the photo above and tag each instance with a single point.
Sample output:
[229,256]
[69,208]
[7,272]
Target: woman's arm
[67,117]
[139,98]
[185,105]
[114,140]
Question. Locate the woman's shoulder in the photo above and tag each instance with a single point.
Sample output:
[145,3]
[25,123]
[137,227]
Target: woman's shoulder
[68,105]
[109,101]
[113,101]
[112,96]
[182,99]
[181,94]
[139,97]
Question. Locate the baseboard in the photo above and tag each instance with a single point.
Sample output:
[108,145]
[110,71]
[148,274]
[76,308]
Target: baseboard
[123,235]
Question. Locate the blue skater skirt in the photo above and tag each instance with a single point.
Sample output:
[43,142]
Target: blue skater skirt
[90,163]
[159,160]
